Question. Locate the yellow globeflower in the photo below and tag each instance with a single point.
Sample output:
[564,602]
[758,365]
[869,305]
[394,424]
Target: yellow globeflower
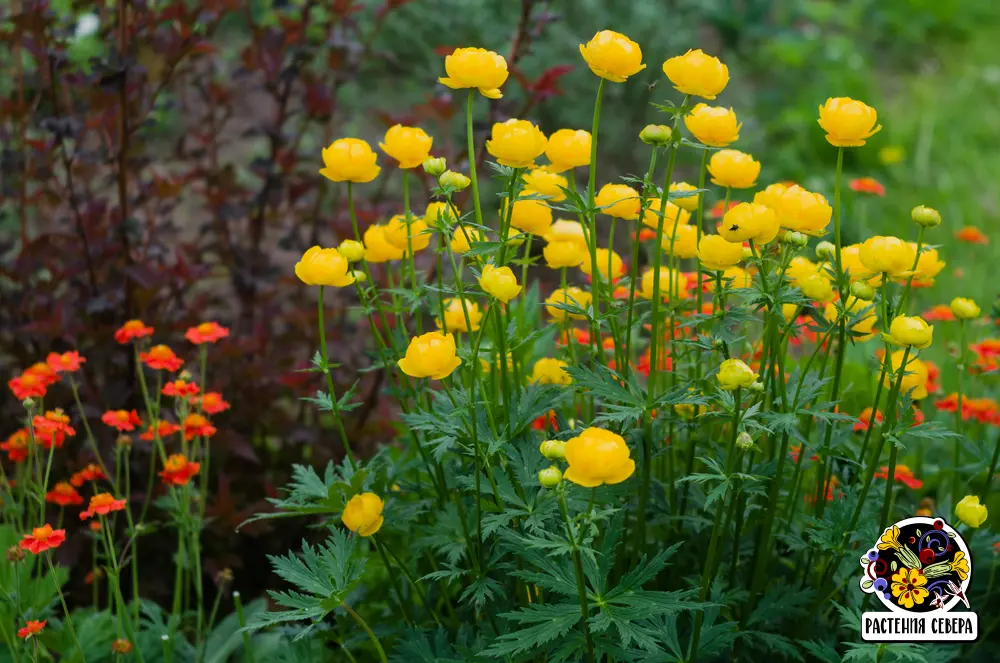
[672,214]
[970,511]
[563,230]
[396,233]
[733,169]
[914,379]
[850,256]
[800,210]
[597,457]
[716,253]
[461,237]
[713,125]
[531,216]
[456,181]
[689,203]
[670,281]
[771,196]
[499,282]
[476,68]
[738,278]
[864,328]
[606,258]
[848,122]
[431,355]
[438,212]
[749,221]
[619,200]
[516,143]
[697,74]
[565,254]
[377,246]
[363,514]
[928,266]
[612,56]
[349,160]
[683,240]
[547,183]
[965,309]
[455,309]
[912,331]
[323,267]
[568,148]
[352,249]
[550,371]
[410,146]
[816,287]
[887,255]
[571,296]
[734,373]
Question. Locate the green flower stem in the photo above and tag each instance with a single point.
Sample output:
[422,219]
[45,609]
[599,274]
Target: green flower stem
[524,282]
[86,427]
[595,285]
[903,298]
[329,380]
[367,629]
[368,275]
[62,600]
[871,418]
[471,146]
[711,557]
[408,217]
[393,580]
[644,202]
[992,470]
[890,479]
[115,582]
[409,577]
[621,364]
[960,370]
[699,230]
[581,583]
[247,649]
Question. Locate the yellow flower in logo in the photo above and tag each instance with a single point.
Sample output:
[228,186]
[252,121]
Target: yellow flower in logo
[908,587]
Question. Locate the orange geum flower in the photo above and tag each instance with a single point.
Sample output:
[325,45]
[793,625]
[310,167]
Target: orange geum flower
[67,362]
[34,627]
[44,372]
[865,417]
[16,445]
[211,402]
[101,505]
[867,185]
[43,538]
[902,474]
[180,389]
[939,313]
[972,235]
[163,428]
[206,332]
[63,494]
[161,357]
[195,425]
[178,470]
[132,330]
[91,472]
[122,420]
[27,385]
[52,428]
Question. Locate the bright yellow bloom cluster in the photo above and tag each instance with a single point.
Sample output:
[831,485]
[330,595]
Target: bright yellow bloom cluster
[597,457]
[548,370]
[499,282]
[324,267]
[735,374]
[567,149]
[670,281]
[690,202]
[547,183]
[713,125]
[455,311]
[349,160]
[887,255]
[797,209]
[462,236]
[612,56]
[716,253]
[410,146]
[697,74]
[431,355]
[749,221]
[571,297]
[397,234]
[618,200]
[848,122]
[531,215]
[476,68]
[914,378]
[609,265]
[733,169]
[378,248]
[911,331]
[672,214]
[516,143]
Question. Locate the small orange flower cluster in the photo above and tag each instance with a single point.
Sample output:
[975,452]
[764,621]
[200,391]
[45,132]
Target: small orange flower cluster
[983,410]
[903,475]
[35,380]
[987,354]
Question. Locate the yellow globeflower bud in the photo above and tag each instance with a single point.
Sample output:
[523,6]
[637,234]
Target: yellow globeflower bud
[553,449]
[359,275]
[550,371]
[713,125]
[565,254]
[377,246]
[816,287]
[697,74]
[606,260]
[563,230]
[734,373]
[349,160]
[863,291]
[570,297]
[476,68]
[716,253]
[887,255]
[928,217]
[670,281]
[352,249]
[656,134]
[848,122]
[550,477]
[455,316]
[619,200]
[397,234]
[410,146]
[547,183]
[363,514]
[451,179]
[733,169]
[965,309]
[689,202]
[970,511]
[912,331]
[461,237]
[531,216]
[672,214]
[597,457]
[681,241]
[568,148]
[826,251]
[431,355]
[499,282]
[323,267]
[516,143]
[749,221]
[435,166]
[612,56]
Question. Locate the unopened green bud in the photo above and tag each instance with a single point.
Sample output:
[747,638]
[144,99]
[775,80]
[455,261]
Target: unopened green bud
[435,165]
[862,291]
[553,449]
[757,386]
[826,251]
[744,441]
[656,134]
[928,217]
[795,239]
[550,477]
[456,181]
[359,275]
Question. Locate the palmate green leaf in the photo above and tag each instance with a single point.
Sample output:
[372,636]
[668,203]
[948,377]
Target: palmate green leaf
[309,495]
[607,384]
[324,403]
[537,625]
[820,651]
[642,573]
[481,590]
[781,603]
[627,626]
[416,646]
[769,644]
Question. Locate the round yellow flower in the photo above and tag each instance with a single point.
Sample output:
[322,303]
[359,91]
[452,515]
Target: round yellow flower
[431,355]
[547,183]
[349,160]
[716,253]
[323,267]
[713,125]
[734,373]
[352,249]
[606,260]
[597,457]
[672,215]
[550,371]
[970,511]
[568,148]
[912,331]
[531,216]
[499,282]
[377,246]
[799,210]
[565,254]
[689,203]
[410,146]
[670,281]
[619,200]
[612,56]
[816,287]
[516,143]
[563,230]
[571,296]
[928,266]
[454,315]
[737,277]
[697,74]
[438,213]
[864,328]
[850,257]
[397,234]
[915,377]
[733,169]
[749,221]
[363,514]
[476,68]
[965,309]
[771,196]
[461,237]
[847,122]
[800,268]
[683,240]
[887,255]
